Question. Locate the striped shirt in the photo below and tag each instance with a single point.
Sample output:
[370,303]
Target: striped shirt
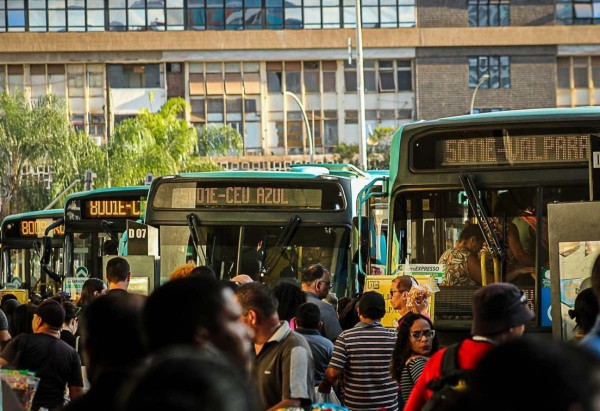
[363,354]
[410,374]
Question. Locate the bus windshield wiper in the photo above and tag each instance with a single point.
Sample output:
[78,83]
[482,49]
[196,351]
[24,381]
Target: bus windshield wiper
[193,225]
[484,221]
[283,242]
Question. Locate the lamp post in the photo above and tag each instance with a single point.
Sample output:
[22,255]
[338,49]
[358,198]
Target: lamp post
[482,79]
[362,138]
[311,143]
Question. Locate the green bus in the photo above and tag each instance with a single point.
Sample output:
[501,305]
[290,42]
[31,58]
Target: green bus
[498,170]
[94,225]
[21,240]
[269,225]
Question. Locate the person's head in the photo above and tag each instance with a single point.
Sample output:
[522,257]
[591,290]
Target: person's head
[110,247]
[596,277]
[316,278]
[585,310]
[342,302]
[258,303]
[8,296]
[371,306]
[117,270]
[92,288]
[198,312]
[308,316]
[204,271]
[49,315]
[472,238]
[71,319]
[9,306]
[289,297]
[22,319]
[567,377]
[242,279]
[416,336]
[112,316]
[500,312]
[401,285]
[182,270]
[184,379]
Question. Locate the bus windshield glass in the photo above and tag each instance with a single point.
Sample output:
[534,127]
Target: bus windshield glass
[273,251]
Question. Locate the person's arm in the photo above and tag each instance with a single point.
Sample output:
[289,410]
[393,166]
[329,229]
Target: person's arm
[75,391]
[514,243]
[331,322]
[474,267]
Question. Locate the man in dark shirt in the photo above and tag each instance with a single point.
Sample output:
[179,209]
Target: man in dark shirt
[308,322]
[316,283]
[43,352]
[118,274]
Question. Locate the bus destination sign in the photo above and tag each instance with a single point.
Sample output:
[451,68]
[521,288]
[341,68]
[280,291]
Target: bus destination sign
[258,196]
[32,228]
[514,150]
[95,209]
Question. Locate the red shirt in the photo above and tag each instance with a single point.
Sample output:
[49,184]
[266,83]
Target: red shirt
[469,354]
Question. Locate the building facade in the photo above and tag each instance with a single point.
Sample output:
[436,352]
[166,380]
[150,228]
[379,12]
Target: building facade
[237,62]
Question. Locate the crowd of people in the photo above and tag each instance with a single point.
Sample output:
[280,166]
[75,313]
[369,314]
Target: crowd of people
[199,343]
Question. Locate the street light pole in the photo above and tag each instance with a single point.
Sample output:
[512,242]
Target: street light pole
[482,79]
[362,138]
[311,143]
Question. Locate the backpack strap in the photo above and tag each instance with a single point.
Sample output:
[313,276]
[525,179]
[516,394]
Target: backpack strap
[450,359]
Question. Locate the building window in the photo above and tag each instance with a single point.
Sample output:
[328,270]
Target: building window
[486,13]
[134,75]
[578,81]
[578,11]
[496,67]
[383,76]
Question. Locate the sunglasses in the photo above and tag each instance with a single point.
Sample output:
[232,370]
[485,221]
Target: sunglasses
[417,335]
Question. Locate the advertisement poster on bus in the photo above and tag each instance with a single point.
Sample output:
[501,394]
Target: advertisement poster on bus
[576,260]
[383,283]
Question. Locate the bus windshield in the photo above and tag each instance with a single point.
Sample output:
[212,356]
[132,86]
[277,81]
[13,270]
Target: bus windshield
[251,249]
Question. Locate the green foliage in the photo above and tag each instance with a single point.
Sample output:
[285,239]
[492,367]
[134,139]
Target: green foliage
[31,133]
[217,141]
[158,143]
[378,150]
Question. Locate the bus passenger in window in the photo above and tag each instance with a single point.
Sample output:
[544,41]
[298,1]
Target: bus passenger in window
[461,262]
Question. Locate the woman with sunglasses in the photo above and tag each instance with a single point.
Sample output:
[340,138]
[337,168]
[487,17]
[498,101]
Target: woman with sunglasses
[415,343]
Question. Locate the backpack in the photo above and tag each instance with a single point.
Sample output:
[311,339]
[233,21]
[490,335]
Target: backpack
[452,384]
[349,317]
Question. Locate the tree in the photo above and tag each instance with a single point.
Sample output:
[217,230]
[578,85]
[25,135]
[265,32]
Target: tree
[164,143]
[214,141]
[378,149]
[29,132]
[159,143]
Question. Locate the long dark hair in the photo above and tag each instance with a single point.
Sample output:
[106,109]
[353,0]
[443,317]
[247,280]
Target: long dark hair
[90,286]
[290,297]
[403,349]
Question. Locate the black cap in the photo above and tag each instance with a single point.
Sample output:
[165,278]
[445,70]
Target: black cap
[498,307]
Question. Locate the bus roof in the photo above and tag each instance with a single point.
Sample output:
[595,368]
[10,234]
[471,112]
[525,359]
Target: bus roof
[57,212]
[554,114]
[111,190]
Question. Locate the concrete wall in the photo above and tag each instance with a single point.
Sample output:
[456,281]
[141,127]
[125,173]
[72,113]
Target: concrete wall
[443,80]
